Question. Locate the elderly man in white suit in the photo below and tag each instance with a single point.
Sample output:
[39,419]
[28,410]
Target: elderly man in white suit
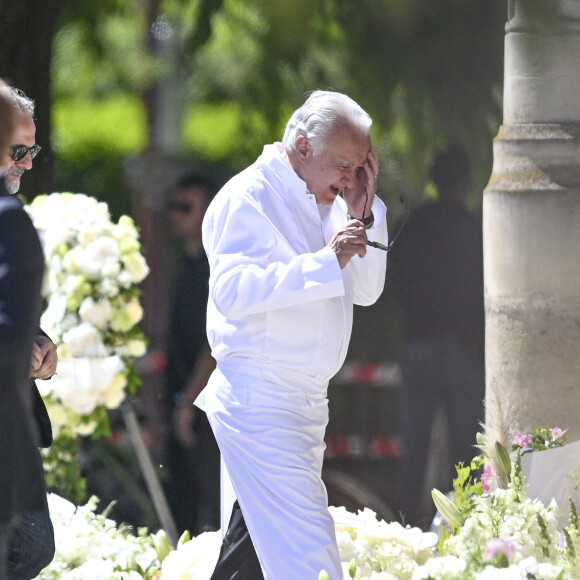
[289,255]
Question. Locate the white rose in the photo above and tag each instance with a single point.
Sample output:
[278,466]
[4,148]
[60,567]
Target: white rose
[88,235]
[82,401]
[95,313]
[109,287]
[55,237]
[115,393]
[126,315]
[72,261]
[98,255]
[84,341]
[134,311]
[52,282]
[111,270]
[136,265]
[125,230]
[85,429]
[136,348]
[125,279]
[128,245]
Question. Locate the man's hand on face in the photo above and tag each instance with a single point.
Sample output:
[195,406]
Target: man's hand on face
[361,196]
[349,241]
[44,358]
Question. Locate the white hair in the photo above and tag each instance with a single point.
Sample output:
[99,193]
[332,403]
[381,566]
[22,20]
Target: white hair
[23,103]
[316,118]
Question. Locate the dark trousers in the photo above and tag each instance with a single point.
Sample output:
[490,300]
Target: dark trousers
[238,559]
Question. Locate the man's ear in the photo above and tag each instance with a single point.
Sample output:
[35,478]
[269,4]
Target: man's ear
[303,149]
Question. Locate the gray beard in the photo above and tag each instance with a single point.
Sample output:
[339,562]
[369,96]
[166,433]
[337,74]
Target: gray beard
[12,185]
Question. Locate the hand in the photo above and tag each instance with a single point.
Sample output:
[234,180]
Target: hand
[183,420]
[356,198]
[44,358]
[348,241]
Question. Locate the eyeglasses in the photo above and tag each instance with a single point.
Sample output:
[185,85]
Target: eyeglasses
[378,245]
[19,151]
[180,207]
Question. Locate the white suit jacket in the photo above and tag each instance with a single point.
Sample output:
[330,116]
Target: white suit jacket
[280,307]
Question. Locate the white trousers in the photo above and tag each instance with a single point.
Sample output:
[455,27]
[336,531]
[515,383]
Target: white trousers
[272,442]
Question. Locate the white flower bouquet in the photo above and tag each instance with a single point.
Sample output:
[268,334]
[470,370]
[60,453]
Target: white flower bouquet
[369,549]
[90,546]
[93,269]
[504,533]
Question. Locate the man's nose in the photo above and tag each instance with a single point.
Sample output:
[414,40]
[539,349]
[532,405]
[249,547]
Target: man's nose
[25,162]
[349,179]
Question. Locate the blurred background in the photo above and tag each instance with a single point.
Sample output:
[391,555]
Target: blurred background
[131,94]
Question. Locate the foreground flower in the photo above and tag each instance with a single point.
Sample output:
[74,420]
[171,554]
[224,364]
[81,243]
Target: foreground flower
[500,546]
[523,440]
[92,547]
[373,549]
[487,478]
[369,550]
[507,535]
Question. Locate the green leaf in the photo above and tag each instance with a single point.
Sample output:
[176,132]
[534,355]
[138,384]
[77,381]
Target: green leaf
[503,459]
[447,509]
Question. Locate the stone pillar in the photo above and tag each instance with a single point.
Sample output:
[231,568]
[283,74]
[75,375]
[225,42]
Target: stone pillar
[531,224]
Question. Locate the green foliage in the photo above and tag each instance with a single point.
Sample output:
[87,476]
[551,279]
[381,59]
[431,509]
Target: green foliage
[92,140]
[428,73]
[117,123]
[62,469]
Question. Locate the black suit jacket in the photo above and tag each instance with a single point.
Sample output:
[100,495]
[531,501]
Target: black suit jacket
[22,486]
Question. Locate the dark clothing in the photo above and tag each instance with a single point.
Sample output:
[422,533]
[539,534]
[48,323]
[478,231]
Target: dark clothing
[187,335]
[31,545]
[21,273]
[437,271]
[238,559]
[193,484]
[41,415]
[24,423]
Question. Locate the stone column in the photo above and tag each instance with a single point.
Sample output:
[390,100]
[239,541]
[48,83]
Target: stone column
[531,223]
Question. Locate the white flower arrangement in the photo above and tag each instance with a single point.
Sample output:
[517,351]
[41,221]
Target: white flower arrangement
[90,546]
[500,535]
[369,548]
[93,268]
[503,533]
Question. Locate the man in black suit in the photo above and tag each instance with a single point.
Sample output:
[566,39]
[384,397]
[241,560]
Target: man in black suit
[25,353]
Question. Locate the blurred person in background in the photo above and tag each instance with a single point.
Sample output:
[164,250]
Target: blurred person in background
[26,533]
[192,455]
[437,272]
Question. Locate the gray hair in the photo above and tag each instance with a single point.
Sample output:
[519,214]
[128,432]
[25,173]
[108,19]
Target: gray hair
[316,118]
[7,121]
[23,103]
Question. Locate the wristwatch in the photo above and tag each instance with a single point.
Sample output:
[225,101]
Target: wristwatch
[367,222]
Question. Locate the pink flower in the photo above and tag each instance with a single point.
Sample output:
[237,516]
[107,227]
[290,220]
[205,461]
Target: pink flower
[523,440]
[486,478]
[504,545]
[556,433]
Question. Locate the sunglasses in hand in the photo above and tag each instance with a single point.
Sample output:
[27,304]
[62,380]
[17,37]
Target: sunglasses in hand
[378,245]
